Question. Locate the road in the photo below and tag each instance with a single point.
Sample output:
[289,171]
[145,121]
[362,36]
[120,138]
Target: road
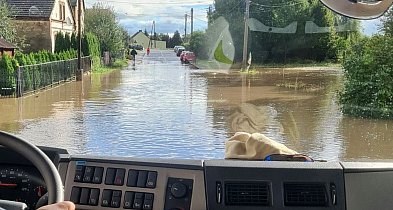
[160,108]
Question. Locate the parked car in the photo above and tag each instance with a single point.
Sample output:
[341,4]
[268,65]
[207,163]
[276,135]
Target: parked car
[176,48]
[137,47]
[188,57]
[182,55]
[179,51]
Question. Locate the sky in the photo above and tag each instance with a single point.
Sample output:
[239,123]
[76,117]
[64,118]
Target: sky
[137,15]
[169,15]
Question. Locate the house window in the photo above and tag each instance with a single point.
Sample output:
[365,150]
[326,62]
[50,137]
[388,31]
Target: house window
[62,11]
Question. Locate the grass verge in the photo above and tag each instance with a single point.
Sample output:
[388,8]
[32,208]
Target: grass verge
[117,65]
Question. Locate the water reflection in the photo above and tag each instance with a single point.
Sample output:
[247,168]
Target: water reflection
[160,108]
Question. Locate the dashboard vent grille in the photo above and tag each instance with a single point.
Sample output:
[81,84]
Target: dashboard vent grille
[247,194]
[305,194]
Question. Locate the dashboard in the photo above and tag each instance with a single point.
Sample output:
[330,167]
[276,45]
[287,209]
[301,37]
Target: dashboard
[160,184]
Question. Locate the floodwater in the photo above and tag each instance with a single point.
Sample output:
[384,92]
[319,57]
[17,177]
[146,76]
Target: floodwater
[162,109]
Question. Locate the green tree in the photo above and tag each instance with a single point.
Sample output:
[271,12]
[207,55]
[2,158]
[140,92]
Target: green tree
[273,46]
[7,27]
[101,21]
[7,73]
[387,23]
[74,42]
[368,90]
[67,42]
[59,42]
[197,44]
[176,39]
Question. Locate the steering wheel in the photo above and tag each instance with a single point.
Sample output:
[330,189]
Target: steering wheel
[41,162]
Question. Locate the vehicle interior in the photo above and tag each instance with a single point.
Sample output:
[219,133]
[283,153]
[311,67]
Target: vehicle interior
[36,176]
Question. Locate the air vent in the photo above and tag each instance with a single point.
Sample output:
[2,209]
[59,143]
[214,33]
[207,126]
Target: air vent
[247,194]
[305,194]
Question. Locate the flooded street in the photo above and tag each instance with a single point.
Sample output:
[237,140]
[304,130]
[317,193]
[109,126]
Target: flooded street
[160,108]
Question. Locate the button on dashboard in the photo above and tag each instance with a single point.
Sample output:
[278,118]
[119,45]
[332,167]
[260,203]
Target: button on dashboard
[94,197]
[97,177]
[116,199]
[132,178]
[85,194]
[110,176]
[75,195]
[106,198]
[88,175]
[79,171]
[142,178]
[151,179]
[128,200]
[148,202]
[119,178]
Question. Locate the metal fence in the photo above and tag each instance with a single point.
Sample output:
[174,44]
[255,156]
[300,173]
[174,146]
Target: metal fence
[36,77]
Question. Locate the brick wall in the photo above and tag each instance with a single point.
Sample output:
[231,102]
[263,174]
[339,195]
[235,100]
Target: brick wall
[36,33]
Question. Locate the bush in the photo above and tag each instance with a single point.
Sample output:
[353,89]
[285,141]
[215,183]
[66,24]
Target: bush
[91,45]
[7,72]
[368,90]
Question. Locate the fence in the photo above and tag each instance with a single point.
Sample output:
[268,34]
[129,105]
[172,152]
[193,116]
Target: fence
[36,77]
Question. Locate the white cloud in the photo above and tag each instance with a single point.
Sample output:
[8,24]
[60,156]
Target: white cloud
[168,14]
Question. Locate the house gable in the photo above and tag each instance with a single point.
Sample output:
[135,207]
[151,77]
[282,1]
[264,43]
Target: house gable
[62,12]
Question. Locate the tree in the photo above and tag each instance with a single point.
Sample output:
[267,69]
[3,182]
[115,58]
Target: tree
[197,44]
[270,45]
[176,39]
[60,42]
[74,41]
[101,21]
[7,27]
[368,88]
[387,23]
[146,33]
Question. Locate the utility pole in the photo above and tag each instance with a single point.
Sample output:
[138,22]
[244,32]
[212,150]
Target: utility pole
[192,21]
[185,27]
[155,35]
[245,44]
[79,71]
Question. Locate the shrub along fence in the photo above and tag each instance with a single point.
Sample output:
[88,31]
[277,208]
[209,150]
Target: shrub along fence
[31,78]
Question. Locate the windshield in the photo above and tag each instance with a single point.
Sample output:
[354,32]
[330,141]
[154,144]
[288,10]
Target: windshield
[318,82]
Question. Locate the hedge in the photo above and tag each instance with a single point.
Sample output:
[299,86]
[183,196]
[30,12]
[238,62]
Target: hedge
[8,67]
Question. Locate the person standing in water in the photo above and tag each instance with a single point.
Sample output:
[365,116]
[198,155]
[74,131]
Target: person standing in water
[133,54]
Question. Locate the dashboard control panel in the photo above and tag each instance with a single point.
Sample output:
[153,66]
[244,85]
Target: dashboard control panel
[92,184]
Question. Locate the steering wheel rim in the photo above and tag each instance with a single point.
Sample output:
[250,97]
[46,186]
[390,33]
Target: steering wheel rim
[39,159]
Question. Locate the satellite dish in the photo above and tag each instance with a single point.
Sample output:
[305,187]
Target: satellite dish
[34,11]
[68,21]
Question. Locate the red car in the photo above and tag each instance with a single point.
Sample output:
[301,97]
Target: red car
[187,57]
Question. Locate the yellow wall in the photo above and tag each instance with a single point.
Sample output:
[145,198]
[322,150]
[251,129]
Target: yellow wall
[142,39]
[59,25]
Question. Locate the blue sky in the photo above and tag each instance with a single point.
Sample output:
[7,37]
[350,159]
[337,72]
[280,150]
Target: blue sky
[137,15]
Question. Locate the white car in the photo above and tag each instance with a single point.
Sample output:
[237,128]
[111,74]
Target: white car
[177,48]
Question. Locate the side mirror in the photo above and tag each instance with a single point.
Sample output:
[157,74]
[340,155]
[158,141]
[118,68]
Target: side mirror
[359,9]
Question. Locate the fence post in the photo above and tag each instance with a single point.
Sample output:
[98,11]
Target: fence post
[58,72]
[51,74]
[19,91]
[33,71]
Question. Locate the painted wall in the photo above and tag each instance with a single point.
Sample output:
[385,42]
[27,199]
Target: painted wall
[142,39]
[65,25]
[36,34]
